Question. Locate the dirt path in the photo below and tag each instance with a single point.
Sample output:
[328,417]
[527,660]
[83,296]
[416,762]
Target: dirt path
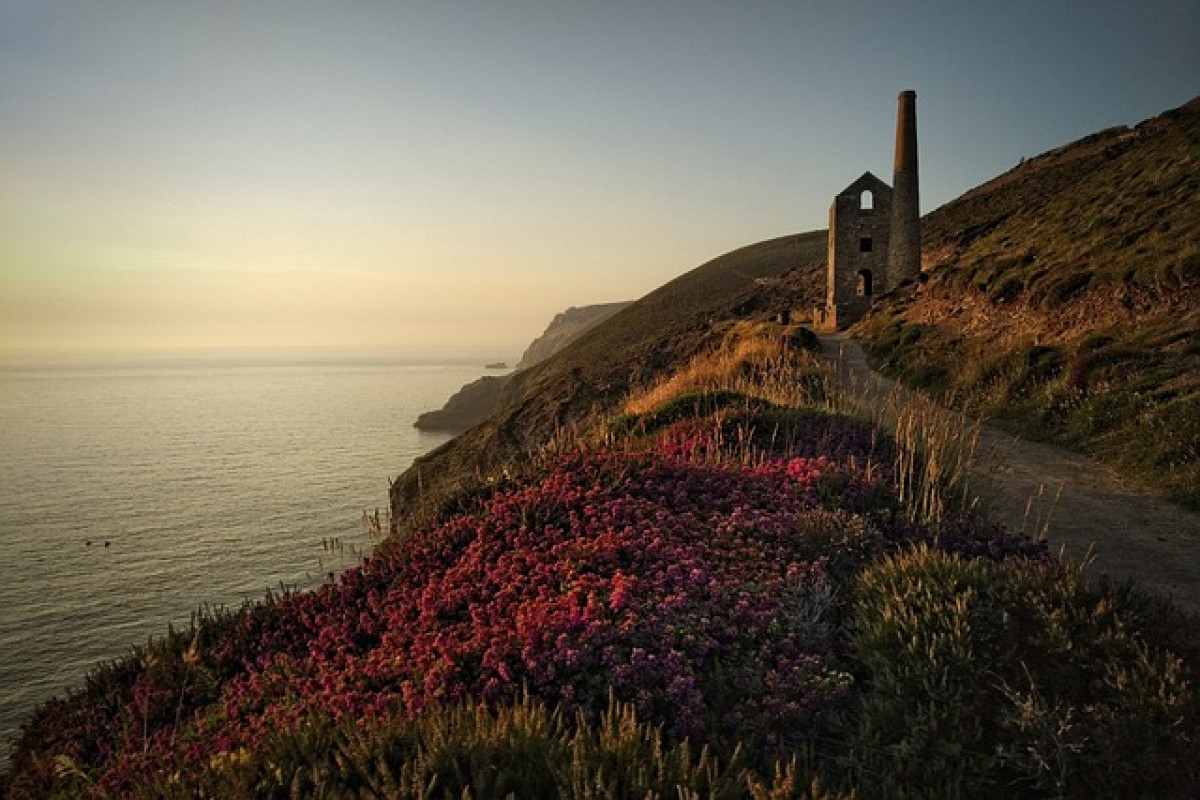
[1083,506]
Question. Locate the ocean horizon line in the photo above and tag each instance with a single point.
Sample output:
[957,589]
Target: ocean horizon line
[246,356]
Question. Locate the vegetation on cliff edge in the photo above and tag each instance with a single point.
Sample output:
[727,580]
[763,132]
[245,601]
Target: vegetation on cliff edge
[678,560]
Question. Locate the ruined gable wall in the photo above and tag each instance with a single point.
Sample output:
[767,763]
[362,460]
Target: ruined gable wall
[858,240]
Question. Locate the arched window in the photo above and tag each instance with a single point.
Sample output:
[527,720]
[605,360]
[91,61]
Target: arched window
[864,283]
[866,200]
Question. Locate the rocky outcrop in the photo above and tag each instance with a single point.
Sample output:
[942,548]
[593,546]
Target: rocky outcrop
[566,328]
[475,402]
[469,406]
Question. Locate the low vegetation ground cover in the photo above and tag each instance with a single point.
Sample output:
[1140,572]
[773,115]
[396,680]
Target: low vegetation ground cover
[722,594]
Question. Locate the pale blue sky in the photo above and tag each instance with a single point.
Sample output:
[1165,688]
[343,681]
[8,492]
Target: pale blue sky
[421,176]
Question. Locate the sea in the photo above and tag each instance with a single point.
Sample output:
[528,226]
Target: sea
[136,490]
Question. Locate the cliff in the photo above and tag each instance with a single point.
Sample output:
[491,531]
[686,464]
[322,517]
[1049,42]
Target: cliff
[566,328]
[727,594]
[750,584]
[469,406]
[1060,298]
[475,402]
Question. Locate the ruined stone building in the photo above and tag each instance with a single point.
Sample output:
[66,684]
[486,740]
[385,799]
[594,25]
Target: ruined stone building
[860,224]
[874,232]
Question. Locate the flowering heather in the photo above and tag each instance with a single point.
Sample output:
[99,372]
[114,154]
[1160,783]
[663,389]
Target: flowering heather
[698,589]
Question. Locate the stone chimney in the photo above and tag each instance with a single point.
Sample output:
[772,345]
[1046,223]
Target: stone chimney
[904,243]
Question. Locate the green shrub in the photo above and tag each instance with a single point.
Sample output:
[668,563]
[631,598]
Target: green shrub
[1010,678]
[924,622]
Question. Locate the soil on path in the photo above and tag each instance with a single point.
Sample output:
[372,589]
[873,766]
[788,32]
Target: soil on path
[1083,507]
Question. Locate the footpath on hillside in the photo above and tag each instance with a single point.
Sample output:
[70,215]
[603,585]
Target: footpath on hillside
[1084,507]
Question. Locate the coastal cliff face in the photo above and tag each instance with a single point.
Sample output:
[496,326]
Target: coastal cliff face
[566,328]
[469,406]
[744,579]
[475,402]
[1060,297]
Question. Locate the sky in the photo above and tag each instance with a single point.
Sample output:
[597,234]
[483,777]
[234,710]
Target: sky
[437,177]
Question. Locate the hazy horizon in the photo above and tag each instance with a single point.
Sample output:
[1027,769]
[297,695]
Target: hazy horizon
[250,354]
[446,177]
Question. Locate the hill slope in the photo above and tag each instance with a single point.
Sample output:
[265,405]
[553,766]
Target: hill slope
[754,574]
[1062,299]
[660,332]
[566,328]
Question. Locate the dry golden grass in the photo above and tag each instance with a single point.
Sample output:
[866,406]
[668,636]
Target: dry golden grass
[760,359]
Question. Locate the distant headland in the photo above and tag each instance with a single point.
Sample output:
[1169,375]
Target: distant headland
[474,402]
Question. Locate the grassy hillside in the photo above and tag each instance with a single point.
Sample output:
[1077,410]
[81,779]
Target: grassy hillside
[720,592]
[660,332]
[1062,299]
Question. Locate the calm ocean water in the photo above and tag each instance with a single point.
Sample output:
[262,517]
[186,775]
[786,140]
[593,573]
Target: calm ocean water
[196,481]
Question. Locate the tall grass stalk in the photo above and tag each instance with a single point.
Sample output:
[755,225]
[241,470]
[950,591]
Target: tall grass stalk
[935,446]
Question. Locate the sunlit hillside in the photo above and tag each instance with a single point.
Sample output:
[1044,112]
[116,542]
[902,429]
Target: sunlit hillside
[683,560]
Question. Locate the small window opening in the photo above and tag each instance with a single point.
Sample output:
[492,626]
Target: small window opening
[865,244]
[864,283]
[866,200]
